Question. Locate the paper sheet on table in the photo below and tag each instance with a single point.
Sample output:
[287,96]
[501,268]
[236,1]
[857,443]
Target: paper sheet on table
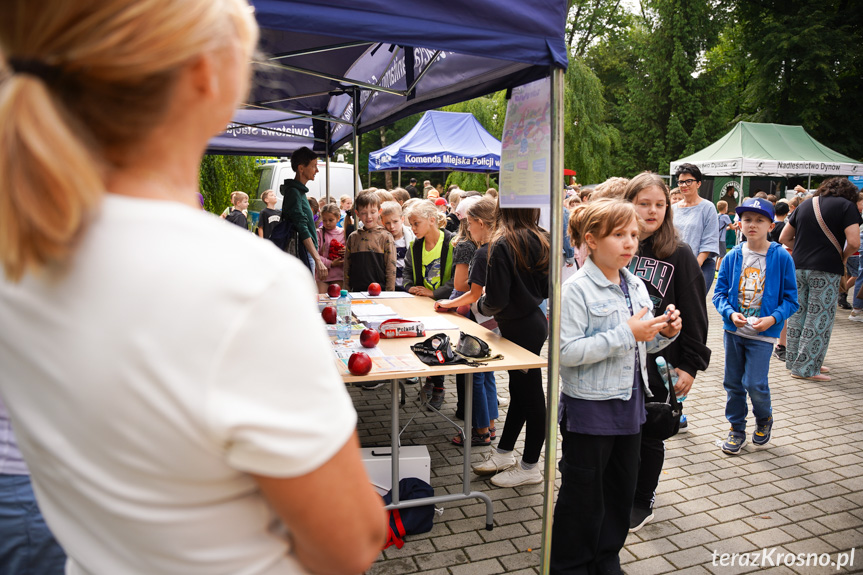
[380,363]
[372,310]
[387,295]
[435,323]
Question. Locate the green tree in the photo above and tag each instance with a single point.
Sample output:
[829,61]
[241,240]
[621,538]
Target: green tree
[221,175]
[588,138]
[807,67]
[663,114]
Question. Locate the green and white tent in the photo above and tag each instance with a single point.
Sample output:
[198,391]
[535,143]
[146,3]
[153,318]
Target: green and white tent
[751,149]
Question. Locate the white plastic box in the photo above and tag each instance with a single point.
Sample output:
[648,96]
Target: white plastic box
[414,461]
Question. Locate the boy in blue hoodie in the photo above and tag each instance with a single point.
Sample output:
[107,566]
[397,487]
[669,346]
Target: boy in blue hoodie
[755,293]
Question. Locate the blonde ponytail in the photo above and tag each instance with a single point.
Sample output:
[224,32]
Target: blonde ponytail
[87,82]
[50,180]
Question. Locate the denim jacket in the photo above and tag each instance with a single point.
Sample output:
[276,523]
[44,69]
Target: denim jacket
[597,352]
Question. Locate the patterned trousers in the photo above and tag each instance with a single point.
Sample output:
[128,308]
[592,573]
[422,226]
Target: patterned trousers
[809,329]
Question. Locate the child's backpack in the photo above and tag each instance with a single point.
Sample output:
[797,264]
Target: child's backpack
[412,520]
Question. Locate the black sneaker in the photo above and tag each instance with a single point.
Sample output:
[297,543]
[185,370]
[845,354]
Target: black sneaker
[779,353]
[843,301]
[639,517]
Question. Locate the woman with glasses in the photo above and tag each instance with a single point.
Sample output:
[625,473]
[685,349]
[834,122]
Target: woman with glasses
[696,221]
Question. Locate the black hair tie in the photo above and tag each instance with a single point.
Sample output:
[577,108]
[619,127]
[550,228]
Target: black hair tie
[46,72]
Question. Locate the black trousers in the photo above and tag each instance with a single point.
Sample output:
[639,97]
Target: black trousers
[652,460]
[591,517]
[527,398]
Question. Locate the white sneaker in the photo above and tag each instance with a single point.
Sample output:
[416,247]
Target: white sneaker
[515,476]
[494,462]
[856,315]
[503,401]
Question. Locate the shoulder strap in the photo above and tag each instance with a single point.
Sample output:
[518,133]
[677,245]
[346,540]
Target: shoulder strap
[825,229]
[444,252]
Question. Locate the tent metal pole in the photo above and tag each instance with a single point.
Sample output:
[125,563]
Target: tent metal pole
[487,181]
[356,142]
[400,176]
[809,183]
[328,171]
[554,281]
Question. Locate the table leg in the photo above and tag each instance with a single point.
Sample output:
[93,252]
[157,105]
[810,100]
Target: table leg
[394,440]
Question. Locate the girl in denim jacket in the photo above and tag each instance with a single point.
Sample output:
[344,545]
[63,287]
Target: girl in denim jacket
[607,329]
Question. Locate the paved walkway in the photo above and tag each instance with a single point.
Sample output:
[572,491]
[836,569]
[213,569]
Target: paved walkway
[802,495]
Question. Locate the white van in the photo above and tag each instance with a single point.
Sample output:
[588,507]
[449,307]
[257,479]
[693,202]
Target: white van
[273,174]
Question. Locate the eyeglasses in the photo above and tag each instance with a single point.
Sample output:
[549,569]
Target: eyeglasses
[686,182]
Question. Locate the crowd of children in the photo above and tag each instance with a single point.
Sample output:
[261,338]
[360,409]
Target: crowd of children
[636,302]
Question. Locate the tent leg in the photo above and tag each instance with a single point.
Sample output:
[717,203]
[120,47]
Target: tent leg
[400,176]
[487,181]
[554,289]
[328,172]
[356,142]
[809,183]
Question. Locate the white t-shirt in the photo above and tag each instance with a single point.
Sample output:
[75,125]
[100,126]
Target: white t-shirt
[143,386]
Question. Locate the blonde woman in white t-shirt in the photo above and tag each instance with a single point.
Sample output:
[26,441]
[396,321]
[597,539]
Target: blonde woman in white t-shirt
[155,445]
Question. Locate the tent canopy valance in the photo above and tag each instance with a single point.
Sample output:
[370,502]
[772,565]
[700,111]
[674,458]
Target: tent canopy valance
[350,62]
[264,133]
[441,141]
[752,149]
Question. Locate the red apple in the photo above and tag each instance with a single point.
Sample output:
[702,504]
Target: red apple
[359,363]
[369,337]
[374,289]
[329,314]
[334,290]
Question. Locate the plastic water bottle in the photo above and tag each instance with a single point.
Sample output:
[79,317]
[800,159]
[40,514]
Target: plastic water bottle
[343,316]
[669,378]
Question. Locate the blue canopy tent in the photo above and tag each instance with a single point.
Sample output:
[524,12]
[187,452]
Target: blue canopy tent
[354,65]
[441,141]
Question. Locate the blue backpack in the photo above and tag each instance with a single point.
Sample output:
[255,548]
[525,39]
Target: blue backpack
[413,520]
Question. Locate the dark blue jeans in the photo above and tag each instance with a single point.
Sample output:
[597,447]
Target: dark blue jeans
[747,363]
[27,546]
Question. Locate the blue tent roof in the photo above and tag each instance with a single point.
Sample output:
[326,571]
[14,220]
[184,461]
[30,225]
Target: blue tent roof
[323,53]
[441,141]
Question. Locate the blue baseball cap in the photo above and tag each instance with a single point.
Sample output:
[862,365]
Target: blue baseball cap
[757,205]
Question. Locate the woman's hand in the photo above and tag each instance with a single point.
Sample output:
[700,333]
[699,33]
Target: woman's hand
[646,330]
[684,382]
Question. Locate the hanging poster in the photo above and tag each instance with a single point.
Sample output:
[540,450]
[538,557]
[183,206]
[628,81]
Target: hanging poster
[525,159]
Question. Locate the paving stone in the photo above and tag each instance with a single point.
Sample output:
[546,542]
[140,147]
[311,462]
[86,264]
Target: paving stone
[439,560]
[504,532]
[693,538]
[651,548]
[652,566]
[730,529]
[769,537]
[487,567]
[521,560]
[689,557]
